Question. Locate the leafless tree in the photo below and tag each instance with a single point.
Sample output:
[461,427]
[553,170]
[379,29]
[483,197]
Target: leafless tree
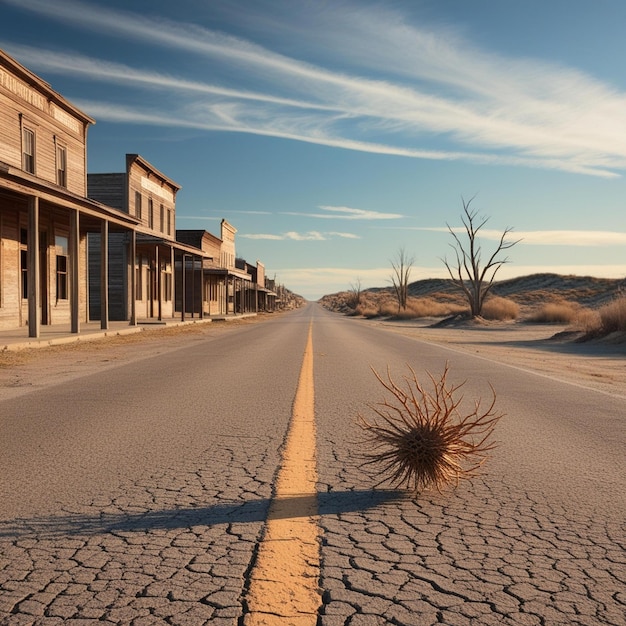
[402,265]
[354,294]
[468,273]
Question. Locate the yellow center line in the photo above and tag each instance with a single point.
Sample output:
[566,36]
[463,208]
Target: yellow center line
[284,584]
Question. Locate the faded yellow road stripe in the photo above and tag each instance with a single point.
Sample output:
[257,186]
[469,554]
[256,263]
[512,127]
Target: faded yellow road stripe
[284,584]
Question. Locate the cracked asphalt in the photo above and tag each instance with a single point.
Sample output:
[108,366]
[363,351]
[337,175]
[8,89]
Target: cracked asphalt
[175,543]
[158,554]
[485,555]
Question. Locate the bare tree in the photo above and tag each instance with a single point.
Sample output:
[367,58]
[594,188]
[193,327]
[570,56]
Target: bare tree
[354,294]
[474,279]
[402,266]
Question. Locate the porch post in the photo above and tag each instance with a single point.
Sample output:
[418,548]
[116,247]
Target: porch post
[226,290]
[74,278]
[33,269]
[157,264]
[172,293]
[193,286]
[202,288]
[133,278]
[104,275]
[183,286]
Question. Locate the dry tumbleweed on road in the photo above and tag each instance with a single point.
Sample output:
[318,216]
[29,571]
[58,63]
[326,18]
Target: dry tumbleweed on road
[421,438]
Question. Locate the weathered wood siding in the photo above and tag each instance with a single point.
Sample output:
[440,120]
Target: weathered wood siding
[10,296]
[117,276]
[110,189]
[24,104]
[158,198]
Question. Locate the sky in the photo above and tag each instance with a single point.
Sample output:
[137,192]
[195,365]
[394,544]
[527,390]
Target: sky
[335,134]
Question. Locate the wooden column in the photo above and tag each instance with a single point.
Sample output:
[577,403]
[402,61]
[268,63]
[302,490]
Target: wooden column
[74,270]
[183,278]
[157,263]
[33,270]
[202,288]
[172,293]
[104,275]
[133,278]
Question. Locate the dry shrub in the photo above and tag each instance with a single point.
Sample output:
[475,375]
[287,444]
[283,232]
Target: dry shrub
[587,320]
[387,308]
[556,313]
[420,307]
[429,307]
[498,308]
[613,316]
[420,438]
[369,311]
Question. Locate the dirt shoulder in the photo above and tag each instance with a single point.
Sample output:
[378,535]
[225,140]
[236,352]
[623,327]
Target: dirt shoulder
[548,349]
[23,370]
[542,348]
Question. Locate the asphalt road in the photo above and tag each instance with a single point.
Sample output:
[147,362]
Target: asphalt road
[139,495]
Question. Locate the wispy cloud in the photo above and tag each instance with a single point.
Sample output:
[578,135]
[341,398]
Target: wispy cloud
[200,218]
[344,235]
[583,238]
[540,115]
[262,236]
[296,236]
[347,213]
[572,238]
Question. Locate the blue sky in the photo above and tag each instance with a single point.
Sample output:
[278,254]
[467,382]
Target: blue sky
[332,134]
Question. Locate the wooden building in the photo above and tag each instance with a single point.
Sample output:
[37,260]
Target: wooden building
[205,285]
[45,215]
[77,247]
[223,286]
[256,296]
[145,280]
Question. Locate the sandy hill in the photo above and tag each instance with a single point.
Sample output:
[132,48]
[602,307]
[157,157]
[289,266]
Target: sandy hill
[531,290]
[535,288]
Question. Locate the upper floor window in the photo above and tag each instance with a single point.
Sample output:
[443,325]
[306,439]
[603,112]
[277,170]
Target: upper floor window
[62,166]
[28,150]
[162,219]
[138,205]
[150,214]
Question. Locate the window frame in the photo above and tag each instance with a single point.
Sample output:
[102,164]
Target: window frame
[29,161]
[61,247]
[61,165]
[138,203]
[150,213]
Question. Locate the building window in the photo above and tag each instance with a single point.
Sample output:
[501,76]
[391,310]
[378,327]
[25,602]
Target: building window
[138,280]
[24,271]
[62,166]
[150,214]
[24,262]
[61,256]
[162,219]
[169,222]
[138,205]
[167,286]
[28,150]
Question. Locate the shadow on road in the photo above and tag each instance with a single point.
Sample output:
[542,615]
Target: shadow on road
[332,503]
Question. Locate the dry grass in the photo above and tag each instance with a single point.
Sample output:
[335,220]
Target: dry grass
[613,316]
[420,438]
[556,313]
[416,308]
[498,308]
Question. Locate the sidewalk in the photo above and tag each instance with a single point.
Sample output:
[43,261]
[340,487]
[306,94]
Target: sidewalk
[18,339]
